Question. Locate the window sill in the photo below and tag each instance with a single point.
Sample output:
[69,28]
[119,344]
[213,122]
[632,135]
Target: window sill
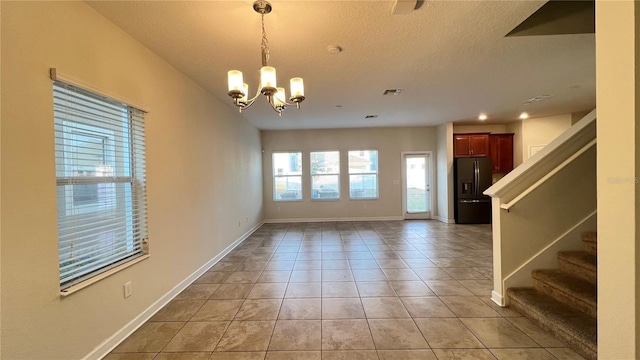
[79,286]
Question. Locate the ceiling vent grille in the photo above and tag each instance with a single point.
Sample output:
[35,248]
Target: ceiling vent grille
[394,92]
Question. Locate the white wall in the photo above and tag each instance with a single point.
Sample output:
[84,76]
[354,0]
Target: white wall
[618,161]
[445,172]
[389,142]
[542,130]
[203,172]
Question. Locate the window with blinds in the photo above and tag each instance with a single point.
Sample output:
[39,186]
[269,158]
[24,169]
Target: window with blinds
[101,187]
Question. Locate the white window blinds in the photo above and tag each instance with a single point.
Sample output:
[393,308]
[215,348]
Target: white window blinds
[101,187]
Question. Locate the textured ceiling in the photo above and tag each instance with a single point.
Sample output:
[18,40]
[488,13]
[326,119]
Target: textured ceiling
[451,58]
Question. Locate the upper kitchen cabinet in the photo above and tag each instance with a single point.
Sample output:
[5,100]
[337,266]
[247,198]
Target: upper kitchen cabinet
[471,145]
[501,152]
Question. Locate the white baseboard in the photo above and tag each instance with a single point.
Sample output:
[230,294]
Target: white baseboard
[105,348]
[444,220]
[497,298]
[312,220]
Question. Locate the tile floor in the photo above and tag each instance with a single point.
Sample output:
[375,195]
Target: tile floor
[346,290]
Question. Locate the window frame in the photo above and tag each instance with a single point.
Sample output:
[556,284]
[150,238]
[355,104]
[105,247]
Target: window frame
[333,174]
[363,173]
[275,176]
[129,169]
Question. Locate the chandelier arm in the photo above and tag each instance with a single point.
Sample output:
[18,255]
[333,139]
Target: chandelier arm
[248,103]
[277,111]
[275,108]
[255,97]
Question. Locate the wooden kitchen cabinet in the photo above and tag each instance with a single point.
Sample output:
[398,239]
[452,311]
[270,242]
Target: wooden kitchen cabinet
[501,152]
[471,145]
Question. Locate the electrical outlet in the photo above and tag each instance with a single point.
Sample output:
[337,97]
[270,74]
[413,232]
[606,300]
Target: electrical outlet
[239,223]
[128,290]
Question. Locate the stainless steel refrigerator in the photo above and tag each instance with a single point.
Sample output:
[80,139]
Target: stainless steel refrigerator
[472,176]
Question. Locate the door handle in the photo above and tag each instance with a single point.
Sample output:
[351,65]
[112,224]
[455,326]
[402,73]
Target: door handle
[476,175]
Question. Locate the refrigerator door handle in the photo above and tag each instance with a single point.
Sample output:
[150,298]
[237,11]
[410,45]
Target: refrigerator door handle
[476,177]
[473,201]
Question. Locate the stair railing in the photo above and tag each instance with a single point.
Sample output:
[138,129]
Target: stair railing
[555,194]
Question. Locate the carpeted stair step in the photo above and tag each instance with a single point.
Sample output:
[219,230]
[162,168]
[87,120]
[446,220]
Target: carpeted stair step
[590,242]
[579,263]
[571,290]
[577,330]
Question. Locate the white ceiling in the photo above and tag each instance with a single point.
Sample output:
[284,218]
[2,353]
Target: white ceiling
[450,57]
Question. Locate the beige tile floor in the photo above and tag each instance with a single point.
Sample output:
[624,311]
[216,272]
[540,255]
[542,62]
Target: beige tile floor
[346,290]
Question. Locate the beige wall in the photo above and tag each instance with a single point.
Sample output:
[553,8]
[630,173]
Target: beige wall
[515,127]
[389,142]
[203,171]
[444,157]
[618,161]
[541,130]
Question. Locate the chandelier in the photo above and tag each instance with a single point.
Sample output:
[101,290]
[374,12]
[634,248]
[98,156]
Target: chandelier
[276,96]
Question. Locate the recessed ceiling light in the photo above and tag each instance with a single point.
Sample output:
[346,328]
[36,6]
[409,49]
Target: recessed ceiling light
[524,115]
[482,117]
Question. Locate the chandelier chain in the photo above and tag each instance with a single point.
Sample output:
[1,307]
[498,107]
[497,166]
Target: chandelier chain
[264,45]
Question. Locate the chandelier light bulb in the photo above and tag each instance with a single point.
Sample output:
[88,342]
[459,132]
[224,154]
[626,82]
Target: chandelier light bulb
[235,81]
[245,89]
[297,87]
[267,78]
[281,97]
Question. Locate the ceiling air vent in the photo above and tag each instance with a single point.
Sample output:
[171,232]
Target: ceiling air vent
[371,116]
[392,92]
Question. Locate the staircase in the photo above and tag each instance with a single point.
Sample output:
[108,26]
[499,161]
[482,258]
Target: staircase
[563,300]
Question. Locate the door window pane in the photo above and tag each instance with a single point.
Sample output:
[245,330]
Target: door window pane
[416,184]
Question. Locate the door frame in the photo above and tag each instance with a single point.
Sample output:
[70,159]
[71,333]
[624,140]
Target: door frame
[430,163]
